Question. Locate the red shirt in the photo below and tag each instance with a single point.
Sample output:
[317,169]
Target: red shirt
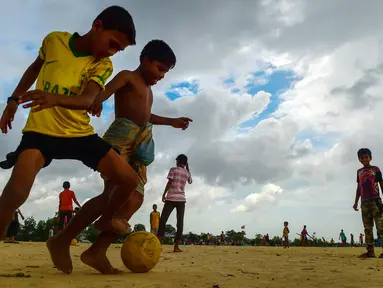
[66,198]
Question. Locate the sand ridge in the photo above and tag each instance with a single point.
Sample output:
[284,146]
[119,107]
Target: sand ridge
[200,266]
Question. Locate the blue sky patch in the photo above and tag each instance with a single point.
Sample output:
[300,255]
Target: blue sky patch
[227,83]
[274,84]
[319,140]
[180,89]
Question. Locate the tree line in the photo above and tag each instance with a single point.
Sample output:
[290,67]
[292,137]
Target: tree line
[34,231]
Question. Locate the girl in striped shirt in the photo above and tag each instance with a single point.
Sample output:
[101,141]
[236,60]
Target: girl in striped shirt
[174,197]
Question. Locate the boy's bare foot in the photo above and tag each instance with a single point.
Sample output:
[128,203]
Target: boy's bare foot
[368,254]
[177,249]
[60,255]
[98,261]
[119,226]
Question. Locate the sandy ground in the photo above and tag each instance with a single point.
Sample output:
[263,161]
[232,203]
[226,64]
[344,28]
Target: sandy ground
[200,266]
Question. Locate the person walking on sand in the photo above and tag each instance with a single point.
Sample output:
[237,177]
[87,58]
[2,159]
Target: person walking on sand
[342,237]
[361,239]
[286,232]
[14,228]
[174,197]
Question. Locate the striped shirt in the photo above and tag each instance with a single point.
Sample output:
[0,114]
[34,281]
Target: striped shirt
[178,177]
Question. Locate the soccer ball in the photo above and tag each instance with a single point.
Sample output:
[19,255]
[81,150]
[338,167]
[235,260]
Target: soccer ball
[140,252]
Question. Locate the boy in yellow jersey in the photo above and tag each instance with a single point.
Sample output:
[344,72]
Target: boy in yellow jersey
[154,220]
[71,71]
[130,134]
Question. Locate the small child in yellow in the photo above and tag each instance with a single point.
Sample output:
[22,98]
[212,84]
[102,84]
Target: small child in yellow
[286,232]
[154,220]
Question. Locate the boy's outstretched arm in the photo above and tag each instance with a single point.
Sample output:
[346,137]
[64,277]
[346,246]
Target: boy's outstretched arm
[357,196]
[46,100]
[181,122]
[26,81]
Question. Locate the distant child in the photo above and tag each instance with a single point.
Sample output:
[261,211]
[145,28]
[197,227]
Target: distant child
[368,178]
[14,227]
[71,70]
[222,236]
[304,234]
[52,231]
[131,135]
[267,240]
[352,240]
[342,237]
[154,220]
[286,232]
[332,242]
[66,199]
[174,197]
[361,239]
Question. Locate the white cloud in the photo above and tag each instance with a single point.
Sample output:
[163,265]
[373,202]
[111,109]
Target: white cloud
[268,195]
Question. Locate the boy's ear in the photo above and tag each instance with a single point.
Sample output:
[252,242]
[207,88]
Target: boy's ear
[97,24]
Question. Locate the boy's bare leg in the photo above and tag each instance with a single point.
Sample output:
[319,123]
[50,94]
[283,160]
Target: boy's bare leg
[59,244]
[118,171]
[95,256]
[17,190]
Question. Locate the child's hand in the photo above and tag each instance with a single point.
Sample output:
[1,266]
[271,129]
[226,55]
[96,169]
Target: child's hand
[163,198]
[95,109]
[38,98]
[8,116]
[182,122]
[355,207]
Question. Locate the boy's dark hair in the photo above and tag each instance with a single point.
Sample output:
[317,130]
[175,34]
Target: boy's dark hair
[154,205]
[364,151]
[158,50]
[286,223]
[182,159]
[66,185]
[119,19]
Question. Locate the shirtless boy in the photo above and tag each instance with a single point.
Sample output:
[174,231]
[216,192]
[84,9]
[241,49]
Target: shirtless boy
[131,135]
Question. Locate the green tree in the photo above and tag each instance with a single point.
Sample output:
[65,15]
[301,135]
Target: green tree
[39,232]
[258,239]
[139,227]
[192,238]
[170,229]
[231,234]
[91,234]
[27,230]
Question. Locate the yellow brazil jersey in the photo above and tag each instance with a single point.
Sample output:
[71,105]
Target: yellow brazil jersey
[66,72]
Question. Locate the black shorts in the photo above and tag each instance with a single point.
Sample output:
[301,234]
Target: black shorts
[88,149]
[62,214]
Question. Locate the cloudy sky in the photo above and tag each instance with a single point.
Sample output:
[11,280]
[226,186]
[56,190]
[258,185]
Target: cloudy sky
[282,93]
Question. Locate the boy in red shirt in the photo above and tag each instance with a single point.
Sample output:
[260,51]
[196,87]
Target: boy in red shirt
[368,180]
[66,199]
